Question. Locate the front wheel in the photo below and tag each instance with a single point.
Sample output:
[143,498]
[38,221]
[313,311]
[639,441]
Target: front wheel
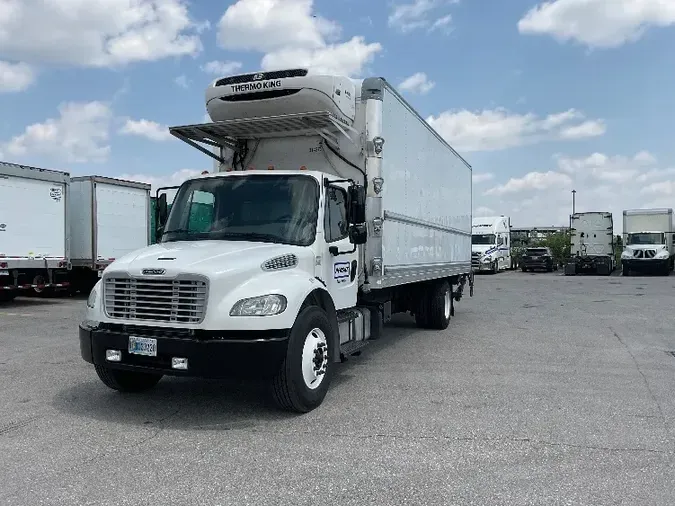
[303,379]
[127,381]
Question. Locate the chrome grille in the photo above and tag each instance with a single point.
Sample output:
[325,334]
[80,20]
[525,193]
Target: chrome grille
[647,253]
[475,259]
[150,299]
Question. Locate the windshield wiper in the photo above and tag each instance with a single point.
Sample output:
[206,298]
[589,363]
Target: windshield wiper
[253,236]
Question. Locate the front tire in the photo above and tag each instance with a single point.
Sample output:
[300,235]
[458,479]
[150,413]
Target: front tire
[304,377]
[127,381]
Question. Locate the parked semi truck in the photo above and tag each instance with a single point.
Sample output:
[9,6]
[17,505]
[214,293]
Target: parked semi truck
[108,219]
[648,241]
[34,246]
[491,243]
[334,206]
[592,250]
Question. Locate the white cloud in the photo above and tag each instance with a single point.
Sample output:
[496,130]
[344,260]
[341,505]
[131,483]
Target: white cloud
[290,35]
[174,179]
[531,181]
[182,81]
[417,83]
[15,76]
[222,68]
[442,23]
[484,211]
[497,129]
[597,23]
[419,14]
[478,178]
[603,183]
[96,34]
[146,128]
[80,134]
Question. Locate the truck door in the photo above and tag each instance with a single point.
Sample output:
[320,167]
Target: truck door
[340,271]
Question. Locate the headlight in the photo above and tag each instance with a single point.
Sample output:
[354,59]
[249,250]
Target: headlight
[487,259]
[91,300]
[662,254]
[626,254]
[264,305]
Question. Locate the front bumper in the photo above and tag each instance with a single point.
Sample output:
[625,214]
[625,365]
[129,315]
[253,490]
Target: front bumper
[537,264]
[645,265]
[246,353]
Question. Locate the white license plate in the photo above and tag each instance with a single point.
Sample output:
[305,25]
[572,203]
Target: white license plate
[143,346]
[4,273]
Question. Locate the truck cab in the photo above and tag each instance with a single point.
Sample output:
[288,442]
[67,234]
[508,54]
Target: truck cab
[491,244]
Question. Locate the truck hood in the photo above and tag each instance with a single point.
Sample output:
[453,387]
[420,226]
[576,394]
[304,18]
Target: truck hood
[214,259]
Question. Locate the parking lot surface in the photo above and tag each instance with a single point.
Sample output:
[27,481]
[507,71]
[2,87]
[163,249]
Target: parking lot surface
[545,389]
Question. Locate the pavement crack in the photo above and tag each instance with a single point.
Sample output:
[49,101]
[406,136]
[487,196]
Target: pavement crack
[644,379]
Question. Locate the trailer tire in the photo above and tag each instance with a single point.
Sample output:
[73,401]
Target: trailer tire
[127,381]
[310,339]
[6,296]
[435,307]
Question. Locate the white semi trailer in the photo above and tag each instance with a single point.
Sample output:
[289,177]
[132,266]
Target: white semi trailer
[334,205]
[34,245]
[491,243]
[109,218]
[648,241]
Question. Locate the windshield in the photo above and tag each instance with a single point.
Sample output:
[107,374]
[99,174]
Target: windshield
[483,239]
[264,208]
[645,238]
[537,251]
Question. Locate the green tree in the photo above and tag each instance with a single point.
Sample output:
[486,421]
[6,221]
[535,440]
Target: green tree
[560,244]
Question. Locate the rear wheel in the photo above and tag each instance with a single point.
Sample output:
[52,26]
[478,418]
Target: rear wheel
[435,308]
[127,381]
[7,296]
[303,379]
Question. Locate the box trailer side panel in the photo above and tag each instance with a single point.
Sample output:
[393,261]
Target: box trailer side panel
[426,197]
[81,233]
[122,219]
[32,217]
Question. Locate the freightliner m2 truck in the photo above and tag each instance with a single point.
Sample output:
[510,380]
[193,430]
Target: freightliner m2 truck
[648,241]
[491,243]
[335,205]
[592,237]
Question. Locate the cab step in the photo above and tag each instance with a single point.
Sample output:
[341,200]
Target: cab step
[351,348]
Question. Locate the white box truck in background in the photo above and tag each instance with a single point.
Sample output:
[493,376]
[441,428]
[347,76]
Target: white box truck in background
[109,218]
[592,251]
[491,243]
[648,241]
[33,229]
[335,205]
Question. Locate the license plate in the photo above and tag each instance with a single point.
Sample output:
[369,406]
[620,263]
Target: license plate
[4,273]
[143,346]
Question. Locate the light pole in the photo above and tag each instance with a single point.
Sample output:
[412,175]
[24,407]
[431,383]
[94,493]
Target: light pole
[574,206]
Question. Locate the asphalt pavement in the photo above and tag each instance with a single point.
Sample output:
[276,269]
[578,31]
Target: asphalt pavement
[544,390]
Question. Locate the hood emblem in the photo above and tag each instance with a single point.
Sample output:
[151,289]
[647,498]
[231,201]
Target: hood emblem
[153,272]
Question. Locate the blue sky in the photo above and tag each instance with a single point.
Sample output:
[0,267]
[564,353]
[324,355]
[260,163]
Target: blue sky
[540,97]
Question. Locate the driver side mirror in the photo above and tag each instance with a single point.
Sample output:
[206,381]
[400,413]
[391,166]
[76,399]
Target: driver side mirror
[161,215]
[357,205]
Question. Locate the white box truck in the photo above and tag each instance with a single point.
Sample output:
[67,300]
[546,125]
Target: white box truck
[648,241]
[334,206]
[491,243]
[109,218]
[34,242]
[592,248]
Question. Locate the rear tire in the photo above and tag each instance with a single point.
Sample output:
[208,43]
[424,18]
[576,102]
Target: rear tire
[127,381]
[435,308]
[304,377]
[6,296]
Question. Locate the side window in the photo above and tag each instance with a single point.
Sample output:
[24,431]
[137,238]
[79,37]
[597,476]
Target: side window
[201,211]
[500,241]
[335,219]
